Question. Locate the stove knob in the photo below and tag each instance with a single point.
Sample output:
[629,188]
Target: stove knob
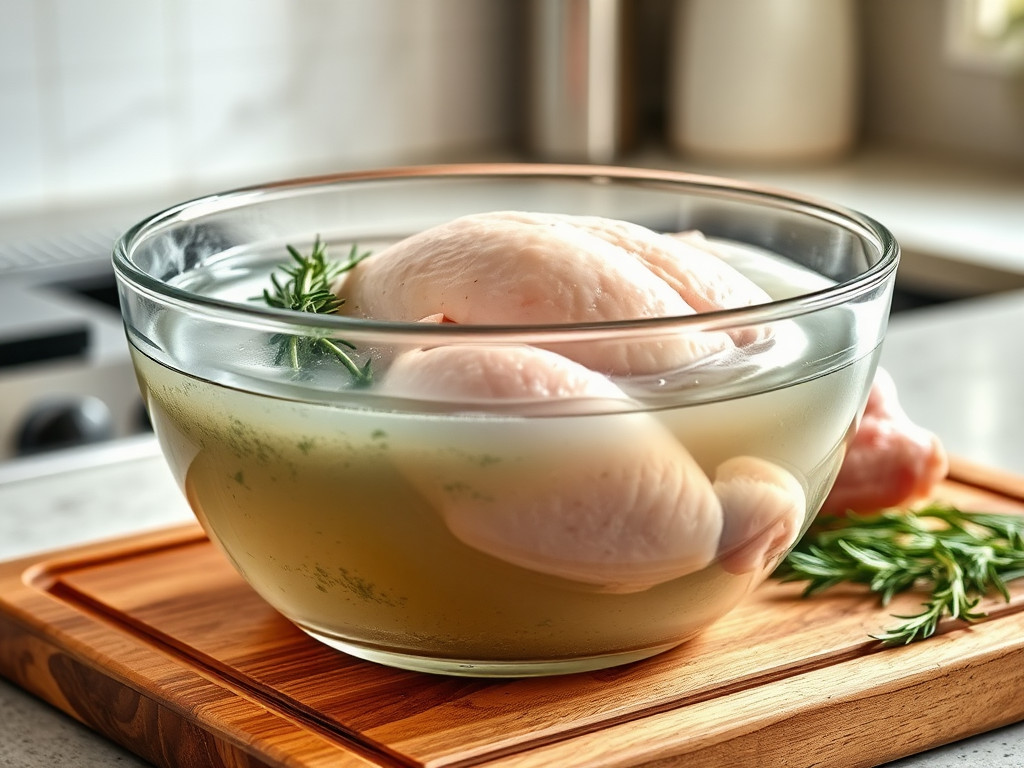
[65,423]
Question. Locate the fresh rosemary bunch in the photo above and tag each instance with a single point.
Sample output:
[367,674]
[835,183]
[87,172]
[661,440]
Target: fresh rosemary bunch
[305,286]
[957,556]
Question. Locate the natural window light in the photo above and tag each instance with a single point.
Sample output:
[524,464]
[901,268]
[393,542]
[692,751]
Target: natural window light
[986,34]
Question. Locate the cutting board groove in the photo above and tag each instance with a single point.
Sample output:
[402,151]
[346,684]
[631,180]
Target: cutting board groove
[223,676]
[155,642]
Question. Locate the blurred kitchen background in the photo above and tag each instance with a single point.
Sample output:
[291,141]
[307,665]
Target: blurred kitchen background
[911,111]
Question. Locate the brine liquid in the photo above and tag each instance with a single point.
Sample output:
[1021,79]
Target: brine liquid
[309,502]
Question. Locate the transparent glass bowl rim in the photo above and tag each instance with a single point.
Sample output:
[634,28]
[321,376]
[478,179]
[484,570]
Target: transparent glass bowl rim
[274,320]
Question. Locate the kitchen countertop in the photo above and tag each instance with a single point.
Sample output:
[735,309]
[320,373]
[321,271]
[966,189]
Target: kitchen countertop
[959,223]
[958,367]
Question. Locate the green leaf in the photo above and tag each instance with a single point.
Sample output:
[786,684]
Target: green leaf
[956,557]
[308,289]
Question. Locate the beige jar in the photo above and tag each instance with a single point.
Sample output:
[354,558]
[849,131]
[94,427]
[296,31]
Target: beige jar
[763,80]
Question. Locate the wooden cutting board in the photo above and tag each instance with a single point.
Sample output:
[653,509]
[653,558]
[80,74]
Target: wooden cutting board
[155,642]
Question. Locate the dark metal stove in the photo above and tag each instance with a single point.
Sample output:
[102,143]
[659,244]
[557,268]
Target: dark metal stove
[65,375]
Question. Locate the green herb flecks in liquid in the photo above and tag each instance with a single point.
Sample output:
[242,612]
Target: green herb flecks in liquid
[326,580]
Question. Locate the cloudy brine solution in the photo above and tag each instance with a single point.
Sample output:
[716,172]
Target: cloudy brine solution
[354,514]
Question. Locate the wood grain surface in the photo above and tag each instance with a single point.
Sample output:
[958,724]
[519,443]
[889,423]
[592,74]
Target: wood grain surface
[155,642]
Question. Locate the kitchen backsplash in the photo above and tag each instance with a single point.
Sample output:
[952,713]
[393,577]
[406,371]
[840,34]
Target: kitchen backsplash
[110,98]
[115,98]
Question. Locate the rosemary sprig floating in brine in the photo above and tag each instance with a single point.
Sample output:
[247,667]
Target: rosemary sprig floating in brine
[305,286]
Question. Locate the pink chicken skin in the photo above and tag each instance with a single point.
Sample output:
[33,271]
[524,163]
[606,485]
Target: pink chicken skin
[535,268]
[621,511]
[515,268]
[485,374]
[891,462]
[763,507]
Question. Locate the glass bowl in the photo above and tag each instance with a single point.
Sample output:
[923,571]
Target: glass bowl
[503,498]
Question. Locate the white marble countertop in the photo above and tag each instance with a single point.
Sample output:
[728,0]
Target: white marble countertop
[959,368]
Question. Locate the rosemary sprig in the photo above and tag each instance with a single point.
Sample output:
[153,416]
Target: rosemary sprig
[956,556]
[305,286]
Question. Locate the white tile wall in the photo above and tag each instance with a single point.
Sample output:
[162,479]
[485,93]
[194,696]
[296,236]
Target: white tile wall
[22,171]
[113,97]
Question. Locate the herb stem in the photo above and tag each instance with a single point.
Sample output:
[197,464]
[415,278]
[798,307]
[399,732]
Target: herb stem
[360,374]
[958,557]
[308,289]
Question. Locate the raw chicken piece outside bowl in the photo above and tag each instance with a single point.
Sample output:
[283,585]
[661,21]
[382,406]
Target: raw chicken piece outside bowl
[577,415]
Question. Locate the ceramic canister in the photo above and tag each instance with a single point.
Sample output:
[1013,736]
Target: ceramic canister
[763,80]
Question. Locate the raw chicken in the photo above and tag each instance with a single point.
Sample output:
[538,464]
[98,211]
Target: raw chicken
[483,375]
[763,509]
[621,507]
[514,268]
[685,261]
[891,462]
[509,268]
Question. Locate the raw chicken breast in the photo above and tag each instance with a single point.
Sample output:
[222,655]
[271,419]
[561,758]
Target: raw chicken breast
[507,268]
[685,261]
[763,509]
[891,461]
[618,506]
[514,268]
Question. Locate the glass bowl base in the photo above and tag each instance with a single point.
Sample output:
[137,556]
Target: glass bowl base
[494,668]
